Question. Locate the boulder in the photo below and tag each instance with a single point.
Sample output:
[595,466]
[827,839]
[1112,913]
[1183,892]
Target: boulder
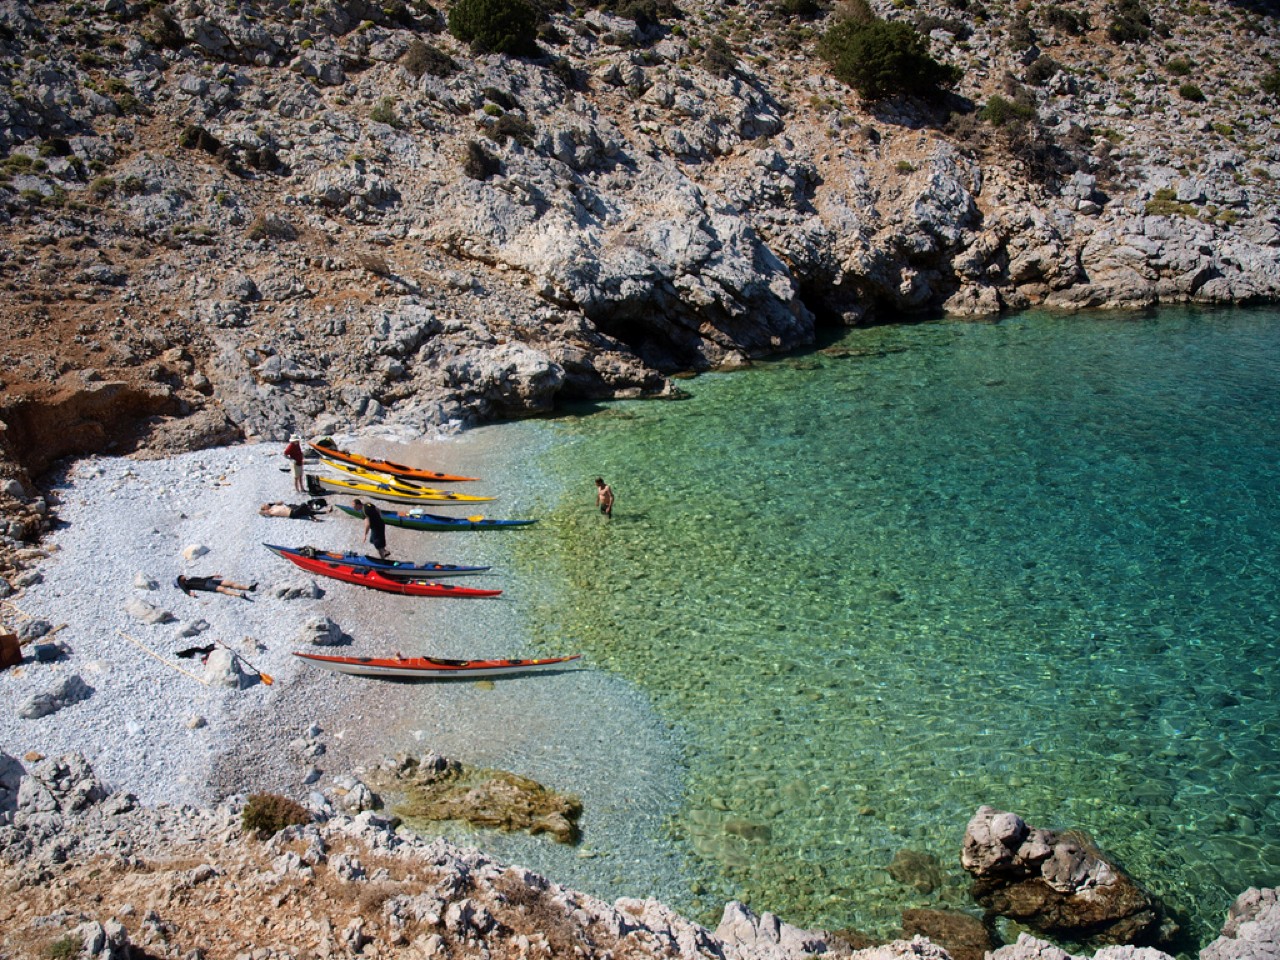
[296,590]
[765,937]
[11,774]
[104,941]
[64,784]
[1060,885]
[222,669]
[962,936]
[65,692]
[146,613]
[320,631]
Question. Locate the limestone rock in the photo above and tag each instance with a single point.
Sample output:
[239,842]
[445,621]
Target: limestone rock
[1061,885]
[1252,930]
[68,690]
[320,631]
[296,590]
[147,613]
[222,669]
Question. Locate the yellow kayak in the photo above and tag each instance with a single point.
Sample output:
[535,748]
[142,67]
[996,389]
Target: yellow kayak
[396,494]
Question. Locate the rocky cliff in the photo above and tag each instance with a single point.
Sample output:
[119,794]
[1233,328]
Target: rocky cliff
[235,218]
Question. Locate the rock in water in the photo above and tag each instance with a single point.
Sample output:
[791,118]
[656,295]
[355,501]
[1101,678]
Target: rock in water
[1059,885]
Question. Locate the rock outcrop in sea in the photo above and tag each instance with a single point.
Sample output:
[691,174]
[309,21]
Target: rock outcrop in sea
[1060,885]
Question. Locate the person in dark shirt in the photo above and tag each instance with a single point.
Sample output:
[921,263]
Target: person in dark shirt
[375,528]
[215,584]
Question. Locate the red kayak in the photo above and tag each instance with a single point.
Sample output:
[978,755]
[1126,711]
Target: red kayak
[372,578]
[429,666]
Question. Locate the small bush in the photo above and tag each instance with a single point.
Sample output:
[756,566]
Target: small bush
[64,948]
[512,126]
[384,111]
[718,57]
[266,814]
[269,226]
[999,111]
[1042,70]
[422,58]
[1165,204]
[1179,66]
[927,23]
[1067,21]
[882,60]
[478,163]
[1131,22]
[804,9]
[1189,91]
[1270,84]
[1021,35]
[496,26]
[101,188]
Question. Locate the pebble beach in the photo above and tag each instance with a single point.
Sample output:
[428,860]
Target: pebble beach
[150,726]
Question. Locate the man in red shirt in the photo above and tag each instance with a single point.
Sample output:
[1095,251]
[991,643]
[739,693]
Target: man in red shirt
[294,452]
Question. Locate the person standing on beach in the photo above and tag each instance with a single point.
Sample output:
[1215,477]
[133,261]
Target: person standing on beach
[294,452]
[375,528]
[604,497]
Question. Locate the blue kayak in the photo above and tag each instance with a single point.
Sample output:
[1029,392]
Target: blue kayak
[413,520]
[388,568]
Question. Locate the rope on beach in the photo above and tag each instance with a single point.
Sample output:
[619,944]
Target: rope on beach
[147,650]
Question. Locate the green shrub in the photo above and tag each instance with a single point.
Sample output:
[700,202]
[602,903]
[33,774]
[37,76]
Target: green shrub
[478,163]
[1179,66]
[101,188]
[266,814]
[1130,23]
[998,111]
[512,126]
[1270,84]
[804,9]
[1021,35]
[384,111]
[1189,91]
[422,58]
[1042,70]
[1068,21]
[718,57]
[269,226]
[496,26]
[885,59]
[64,948]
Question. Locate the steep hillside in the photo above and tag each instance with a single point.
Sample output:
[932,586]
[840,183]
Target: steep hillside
[228,219]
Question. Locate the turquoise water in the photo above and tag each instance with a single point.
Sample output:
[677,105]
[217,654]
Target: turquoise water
[1033,564]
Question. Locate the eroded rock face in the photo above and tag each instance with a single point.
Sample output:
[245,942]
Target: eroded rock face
[1058,884]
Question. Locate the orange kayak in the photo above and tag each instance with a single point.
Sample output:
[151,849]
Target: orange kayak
[384,466]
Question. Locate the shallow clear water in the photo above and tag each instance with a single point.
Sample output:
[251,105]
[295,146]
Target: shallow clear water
[1033,564]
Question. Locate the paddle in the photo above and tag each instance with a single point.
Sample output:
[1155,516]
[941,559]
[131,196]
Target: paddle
[266,677]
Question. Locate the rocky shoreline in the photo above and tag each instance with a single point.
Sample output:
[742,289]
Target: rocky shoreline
[91,873]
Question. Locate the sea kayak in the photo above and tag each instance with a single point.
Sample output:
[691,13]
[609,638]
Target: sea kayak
[372,578]
[399,569]
[416,520]
[395,493]
[385,466]
[365,475]
[428,666]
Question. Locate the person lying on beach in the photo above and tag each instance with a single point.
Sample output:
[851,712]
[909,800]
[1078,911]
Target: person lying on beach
[215,584]
[294,511]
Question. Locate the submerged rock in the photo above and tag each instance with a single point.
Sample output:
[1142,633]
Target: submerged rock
[439,789]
